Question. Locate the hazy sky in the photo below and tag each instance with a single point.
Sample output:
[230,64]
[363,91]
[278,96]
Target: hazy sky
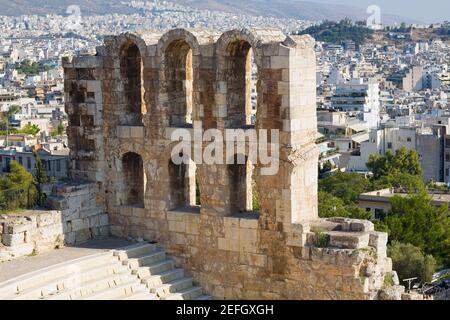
[427,11]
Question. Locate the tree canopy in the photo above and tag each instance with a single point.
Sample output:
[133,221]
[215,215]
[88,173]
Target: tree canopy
[59,131]
[414,219]
[29,128]
[409,262]
[331,206]
[17,188]
[31,68]
[337,32]
[345,186]
[403,161]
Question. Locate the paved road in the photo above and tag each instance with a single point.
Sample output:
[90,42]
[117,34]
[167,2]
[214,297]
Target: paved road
[15,268]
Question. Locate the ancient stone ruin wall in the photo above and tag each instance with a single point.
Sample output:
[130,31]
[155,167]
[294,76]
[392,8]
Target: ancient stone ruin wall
[77,217]
[125,102]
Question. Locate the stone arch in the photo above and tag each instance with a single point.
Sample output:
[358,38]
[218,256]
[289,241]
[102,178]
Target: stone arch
[132,51]
[236,51]
[133,179]
[178,51]
[178,34]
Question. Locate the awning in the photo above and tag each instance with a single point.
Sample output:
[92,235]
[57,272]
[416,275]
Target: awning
[361,137]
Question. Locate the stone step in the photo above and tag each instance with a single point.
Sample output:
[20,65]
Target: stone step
[156,268]
[103,270]
[137,272]
[91,287]
[186,294]
[68,281]
[8,290]
[135,250]
[204,297]
[172,287]
[162,278]
[144,295]
[116,292]
[144,260]
[44,276]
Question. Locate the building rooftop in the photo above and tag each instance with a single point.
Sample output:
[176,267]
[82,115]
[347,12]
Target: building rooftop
[383,195]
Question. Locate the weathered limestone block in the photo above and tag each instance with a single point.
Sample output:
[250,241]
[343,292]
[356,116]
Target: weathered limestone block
[17,226]
[378,240]
[82,235]
[349,240]
[392,293]
[48,218]
[192,227]
[80,224]
[361,226]
[248,223]
[103,220]
[87,62]
[12,240]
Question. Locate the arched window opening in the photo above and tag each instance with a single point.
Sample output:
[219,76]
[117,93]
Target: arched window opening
[241,78]
[133,179]
[253,86]
[242,187]
[179,83]
[183,184]
[198,201]
[131,71]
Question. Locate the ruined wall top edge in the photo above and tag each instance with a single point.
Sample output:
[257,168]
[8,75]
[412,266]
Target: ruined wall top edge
[154,42]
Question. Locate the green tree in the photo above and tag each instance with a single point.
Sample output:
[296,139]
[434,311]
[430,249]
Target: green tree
[327,166]
[60,130]
[4,122]
[17,188]
[31,129]
[40,176]
[410,183]
[409,261]
[31,68]
[346,186]
[331,206]
[415,219]
[403,161]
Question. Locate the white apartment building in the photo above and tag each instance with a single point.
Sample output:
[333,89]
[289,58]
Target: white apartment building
[360,98]
[428,142]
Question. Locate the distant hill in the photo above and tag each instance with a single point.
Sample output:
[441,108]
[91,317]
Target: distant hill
[43,7]
[291,9]
[276,8]
[337,32]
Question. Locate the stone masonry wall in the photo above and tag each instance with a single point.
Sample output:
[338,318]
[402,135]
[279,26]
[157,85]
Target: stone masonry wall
[230,256]
[282,251]
[77,217]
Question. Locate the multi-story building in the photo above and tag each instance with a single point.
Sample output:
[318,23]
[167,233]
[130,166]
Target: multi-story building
[55,162]
[428,142]
[360,98]
[408,79]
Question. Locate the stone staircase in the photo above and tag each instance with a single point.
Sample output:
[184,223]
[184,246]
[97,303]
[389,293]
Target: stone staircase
[137,272]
